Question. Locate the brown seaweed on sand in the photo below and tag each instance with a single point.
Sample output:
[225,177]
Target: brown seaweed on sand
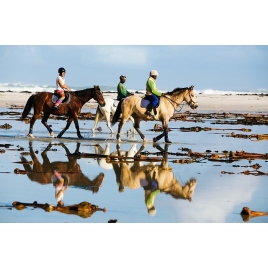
[83,209]
[247,214]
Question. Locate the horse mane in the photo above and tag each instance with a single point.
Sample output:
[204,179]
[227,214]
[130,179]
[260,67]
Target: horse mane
[177,90]
[84,92]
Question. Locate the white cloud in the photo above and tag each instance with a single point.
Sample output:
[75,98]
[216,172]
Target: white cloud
[118,55]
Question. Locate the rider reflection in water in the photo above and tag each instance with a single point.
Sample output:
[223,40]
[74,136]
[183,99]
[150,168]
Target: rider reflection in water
[61,185]
[151,187]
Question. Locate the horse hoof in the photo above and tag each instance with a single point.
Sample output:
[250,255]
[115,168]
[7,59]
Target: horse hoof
[31,136]
[168,141]
[144,140]
[52,135]
[154,140]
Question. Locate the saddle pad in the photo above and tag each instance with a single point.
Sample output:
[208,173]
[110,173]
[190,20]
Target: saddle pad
[54,98]
[144,103]
[115,103]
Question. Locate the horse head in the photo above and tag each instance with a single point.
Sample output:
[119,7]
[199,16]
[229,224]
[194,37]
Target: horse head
[98,96]
[190,98]
[188,189]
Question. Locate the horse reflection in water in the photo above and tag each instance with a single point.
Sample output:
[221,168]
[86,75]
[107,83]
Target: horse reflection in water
[153,178]
[69,170]
[106,151]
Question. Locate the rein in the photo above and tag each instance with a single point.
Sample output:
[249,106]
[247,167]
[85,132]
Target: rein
[180,105]
[170,101]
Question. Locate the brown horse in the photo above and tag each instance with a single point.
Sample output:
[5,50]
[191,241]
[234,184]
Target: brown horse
[169,102]
[42,102]
[42,173]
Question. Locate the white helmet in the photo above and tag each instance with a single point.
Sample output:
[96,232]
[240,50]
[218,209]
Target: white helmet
[154,72]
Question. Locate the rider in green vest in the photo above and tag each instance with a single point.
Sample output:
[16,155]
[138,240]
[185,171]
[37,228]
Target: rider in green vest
[152,93]
[122,92]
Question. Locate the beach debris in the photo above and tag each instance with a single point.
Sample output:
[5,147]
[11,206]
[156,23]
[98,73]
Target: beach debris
[2,151]
[254,172]
[5,145]
[112,221]
[183,161]
[116,158]
[247,214]
[24,162]
[256,137]
[10,113]
[83,209]
[6,126]
[21,171]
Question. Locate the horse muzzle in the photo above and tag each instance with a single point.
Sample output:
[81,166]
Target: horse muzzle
[193,105]
[102,104]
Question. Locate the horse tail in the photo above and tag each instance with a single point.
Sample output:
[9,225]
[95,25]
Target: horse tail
[28,107]
[117,114]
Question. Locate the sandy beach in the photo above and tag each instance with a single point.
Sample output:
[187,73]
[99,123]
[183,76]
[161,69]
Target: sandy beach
[212,103]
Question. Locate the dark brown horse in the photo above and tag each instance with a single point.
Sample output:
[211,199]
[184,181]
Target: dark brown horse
[42,102]
[42,172]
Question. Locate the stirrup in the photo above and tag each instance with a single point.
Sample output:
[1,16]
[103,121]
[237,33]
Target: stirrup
[56,107]
[148,113]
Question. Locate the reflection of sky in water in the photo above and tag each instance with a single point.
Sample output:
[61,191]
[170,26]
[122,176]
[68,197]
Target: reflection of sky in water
[217,197]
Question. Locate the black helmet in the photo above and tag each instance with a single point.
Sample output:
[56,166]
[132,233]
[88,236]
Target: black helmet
[61,70]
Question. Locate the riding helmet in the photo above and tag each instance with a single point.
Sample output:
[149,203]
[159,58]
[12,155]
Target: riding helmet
[61,70]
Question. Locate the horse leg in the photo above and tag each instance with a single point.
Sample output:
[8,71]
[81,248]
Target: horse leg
[107,118]
[32,121]
[159,137]
[44,122]
[132,129]
[164,133]
[98,117]
[137,127]
[120,125]
[165,127]
[69,121]
[77,128]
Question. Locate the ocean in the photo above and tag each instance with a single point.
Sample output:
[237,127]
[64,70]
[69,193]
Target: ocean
[19,87]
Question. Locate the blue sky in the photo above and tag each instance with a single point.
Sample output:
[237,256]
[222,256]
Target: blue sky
[205,67]
[219,46]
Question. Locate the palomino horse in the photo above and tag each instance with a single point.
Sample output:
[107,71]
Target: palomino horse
[169,102]
[42,102]
[155,179]
[43,173]
[105,112]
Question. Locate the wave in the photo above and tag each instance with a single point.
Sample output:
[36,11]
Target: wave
[19,87]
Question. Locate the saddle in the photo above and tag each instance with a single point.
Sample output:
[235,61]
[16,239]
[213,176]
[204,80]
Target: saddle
[55,97]
[145,102]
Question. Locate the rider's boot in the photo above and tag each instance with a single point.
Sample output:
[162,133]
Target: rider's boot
[149,109]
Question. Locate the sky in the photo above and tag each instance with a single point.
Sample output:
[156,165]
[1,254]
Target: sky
[219,46]
[218,67]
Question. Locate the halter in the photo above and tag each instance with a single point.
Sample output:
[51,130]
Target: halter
[181,105]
